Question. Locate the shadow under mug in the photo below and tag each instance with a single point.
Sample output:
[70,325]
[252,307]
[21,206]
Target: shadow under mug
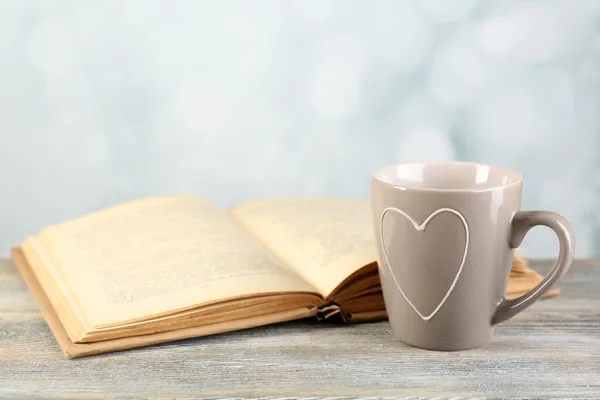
[445,234]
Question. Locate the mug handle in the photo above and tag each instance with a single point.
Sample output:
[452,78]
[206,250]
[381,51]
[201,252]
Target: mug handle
[521,223]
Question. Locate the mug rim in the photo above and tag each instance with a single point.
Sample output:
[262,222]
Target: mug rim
[517,181]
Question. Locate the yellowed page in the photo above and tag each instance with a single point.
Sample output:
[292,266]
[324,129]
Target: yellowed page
[155,256]
[324,240]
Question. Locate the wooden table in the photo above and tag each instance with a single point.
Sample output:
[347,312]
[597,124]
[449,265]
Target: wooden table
[550,350]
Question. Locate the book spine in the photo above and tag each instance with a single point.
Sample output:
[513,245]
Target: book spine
[330,310]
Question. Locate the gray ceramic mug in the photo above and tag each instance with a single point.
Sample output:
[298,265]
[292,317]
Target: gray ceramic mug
[445,234]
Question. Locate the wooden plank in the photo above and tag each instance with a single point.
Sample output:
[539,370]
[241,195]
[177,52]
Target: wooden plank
[551,350]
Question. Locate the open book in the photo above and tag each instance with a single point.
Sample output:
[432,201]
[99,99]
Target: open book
[168,268]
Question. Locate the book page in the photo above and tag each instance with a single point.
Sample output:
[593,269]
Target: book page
[324,240]
[158,255]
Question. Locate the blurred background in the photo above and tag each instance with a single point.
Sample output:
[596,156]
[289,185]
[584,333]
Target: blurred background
[107,101]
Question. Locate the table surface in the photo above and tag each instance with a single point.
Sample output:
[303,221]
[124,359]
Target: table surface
[549,350]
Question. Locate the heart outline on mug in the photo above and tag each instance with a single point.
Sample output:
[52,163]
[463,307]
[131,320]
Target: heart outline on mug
[421,228]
